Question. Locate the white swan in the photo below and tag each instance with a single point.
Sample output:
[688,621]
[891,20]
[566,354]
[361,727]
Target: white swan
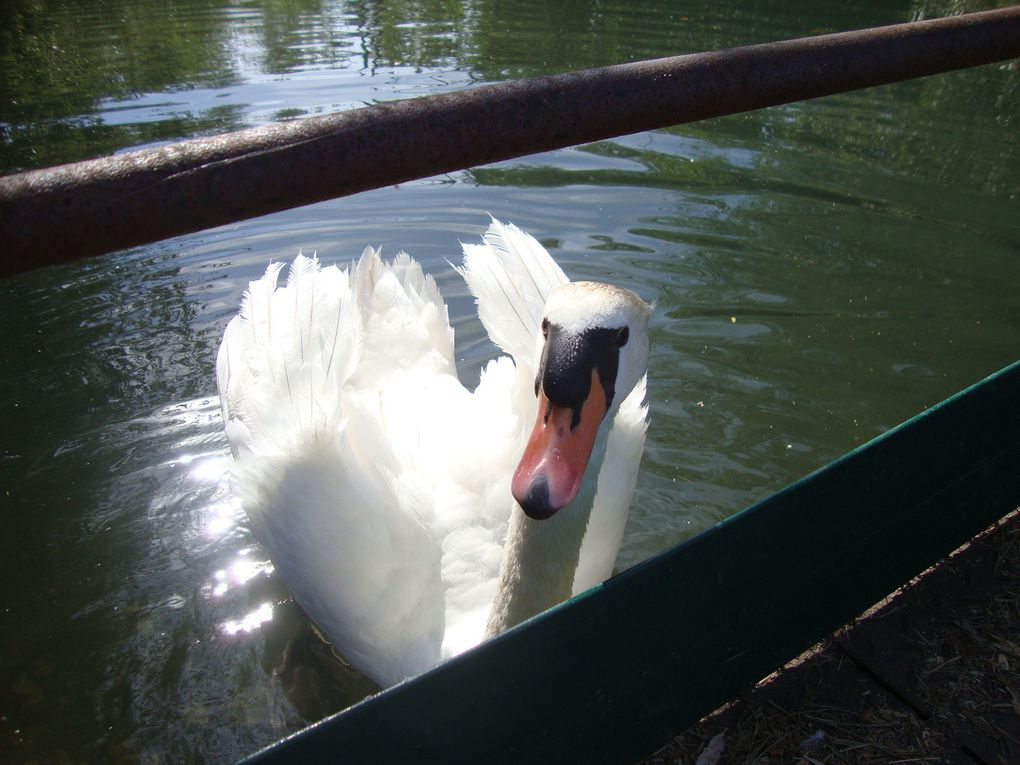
[384,490]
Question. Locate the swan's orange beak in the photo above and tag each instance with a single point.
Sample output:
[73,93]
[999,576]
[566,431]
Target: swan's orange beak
[549,474]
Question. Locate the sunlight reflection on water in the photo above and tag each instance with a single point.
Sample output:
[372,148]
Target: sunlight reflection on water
[249,622]
[239,572]
[203,490]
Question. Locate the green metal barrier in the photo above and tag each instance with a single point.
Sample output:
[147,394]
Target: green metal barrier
[608,676]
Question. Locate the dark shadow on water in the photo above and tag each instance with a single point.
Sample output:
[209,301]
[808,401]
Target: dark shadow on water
[313,677]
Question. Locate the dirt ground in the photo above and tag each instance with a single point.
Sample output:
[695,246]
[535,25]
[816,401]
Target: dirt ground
[929,675]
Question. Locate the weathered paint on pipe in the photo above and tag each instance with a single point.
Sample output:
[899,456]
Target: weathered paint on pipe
[89,208]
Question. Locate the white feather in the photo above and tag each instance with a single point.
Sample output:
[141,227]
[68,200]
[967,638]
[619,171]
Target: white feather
[511,276]
[616,484]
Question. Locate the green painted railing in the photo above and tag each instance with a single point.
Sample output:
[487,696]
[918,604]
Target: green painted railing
[610,675]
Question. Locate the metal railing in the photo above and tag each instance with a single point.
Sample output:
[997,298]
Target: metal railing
[97,206]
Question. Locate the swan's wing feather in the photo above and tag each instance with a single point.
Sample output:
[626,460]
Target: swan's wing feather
[473,502]
[364,572]
[316,472]
[615,489]
[286,357]
[406,323]
[511,275]
[432,424]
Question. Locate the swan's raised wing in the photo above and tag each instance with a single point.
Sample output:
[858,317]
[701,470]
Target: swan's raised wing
[316,473]
[511,275]
[405,321]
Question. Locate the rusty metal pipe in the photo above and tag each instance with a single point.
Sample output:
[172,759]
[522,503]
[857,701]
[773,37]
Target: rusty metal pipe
[89,208]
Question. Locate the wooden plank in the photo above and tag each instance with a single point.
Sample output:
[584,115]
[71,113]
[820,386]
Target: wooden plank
[919,644]
[606,677]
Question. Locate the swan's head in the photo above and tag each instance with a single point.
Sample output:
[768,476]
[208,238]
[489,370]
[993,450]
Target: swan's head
[592,350]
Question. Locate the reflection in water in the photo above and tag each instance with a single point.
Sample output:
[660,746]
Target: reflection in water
[239,572]
[205,475]
[250,621]
[822,271]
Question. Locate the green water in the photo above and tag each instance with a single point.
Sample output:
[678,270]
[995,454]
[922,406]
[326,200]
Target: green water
[821,272]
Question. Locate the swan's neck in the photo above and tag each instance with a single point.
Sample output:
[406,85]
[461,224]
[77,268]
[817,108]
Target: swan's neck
[540,557]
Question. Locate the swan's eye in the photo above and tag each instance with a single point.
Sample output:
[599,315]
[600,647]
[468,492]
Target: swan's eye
[622,337]
[545,328]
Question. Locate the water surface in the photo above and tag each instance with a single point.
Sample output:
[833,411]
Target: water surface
[821,271]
